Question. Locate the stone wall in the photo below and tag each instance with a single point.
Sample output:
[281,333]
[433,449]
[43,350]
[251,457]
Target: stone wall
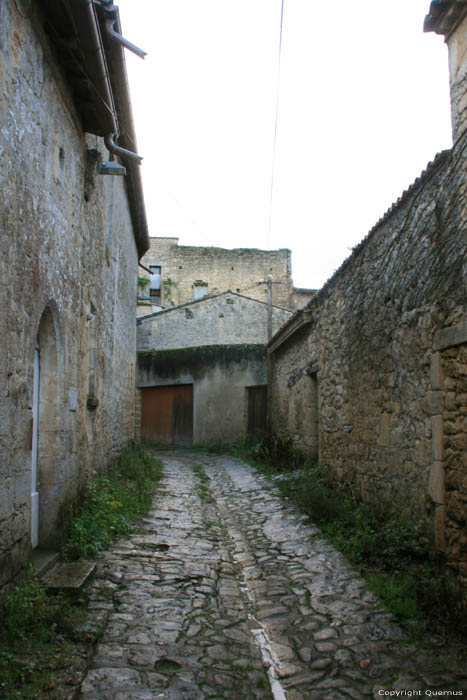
[220,319]
[364,361]
[68,265]
[457,44]
[242,270]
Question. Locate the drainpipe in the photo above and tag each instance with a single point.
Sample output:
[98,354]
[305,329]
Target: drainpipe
[119,151]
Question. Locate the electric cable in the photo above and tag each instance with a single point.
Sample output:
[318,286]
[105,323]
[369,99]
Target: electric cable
[275,125]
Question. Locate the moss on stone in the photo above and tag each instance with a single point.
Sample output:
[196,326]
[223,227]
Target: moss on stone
[196,360]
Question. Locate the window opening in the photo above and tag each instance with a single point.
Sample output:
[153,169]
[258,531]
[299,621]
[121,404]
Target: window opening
[155,284]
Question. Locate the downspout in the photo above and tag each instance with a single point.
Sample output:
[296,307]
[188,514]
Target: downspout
[119,151]
[87,26]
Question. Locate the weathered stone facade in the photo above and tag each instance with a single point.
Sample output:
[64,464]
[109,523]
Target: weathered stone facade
[217,345]
[242,270]
[371,374]
[225,318]
[69,252]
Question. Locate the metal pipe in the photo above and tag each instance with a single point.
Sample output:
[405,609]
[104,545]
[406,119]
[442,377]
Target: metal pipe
[145,268]
[109,25]
[119,151]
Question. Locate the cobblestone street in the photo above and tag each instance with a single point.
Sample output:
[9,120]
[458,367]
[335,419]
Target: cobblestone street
[225,591]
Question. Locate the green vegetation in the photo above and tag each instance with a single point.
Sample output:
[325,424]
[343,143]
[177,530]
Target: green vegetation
[202,485]
[109,503]
[42,654]
[39,650]
[143,281]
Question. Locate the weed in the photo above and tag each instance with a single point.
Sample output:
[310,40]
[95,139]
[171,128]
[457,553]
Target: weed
[41,654]
[202,485]
[110,503]
[394,557]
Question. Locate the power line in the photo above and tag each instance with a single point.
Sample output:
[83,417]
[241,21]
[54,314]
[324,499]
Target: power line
[275,124]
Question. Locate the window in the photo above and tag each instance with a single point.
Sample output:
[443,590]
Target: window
[155,284]
[200,290]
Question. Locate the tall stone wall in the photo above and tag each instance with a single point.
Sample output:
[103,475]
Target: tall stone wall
[242,270]
[68,267]
[375,342]
[221,319]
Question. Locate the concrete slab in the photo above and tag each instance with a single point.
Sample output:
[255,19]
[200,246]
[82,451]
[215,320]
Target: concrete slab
[42,560]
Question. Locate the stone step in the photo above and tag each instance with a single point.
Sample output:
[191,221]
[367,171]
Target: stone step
[42,560]
[68,575]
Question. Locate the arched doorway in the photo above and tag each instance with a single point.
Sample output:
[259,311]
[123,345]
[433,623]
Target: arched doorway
[46,480]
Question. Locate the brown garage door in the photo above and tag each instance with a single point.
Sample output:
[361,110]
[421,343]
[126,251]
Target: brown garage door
[167,414]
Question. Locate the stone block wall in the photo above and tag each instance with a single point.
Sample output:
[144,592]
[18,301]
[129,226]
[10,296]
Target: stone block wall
[241,270]
[220,319]
[68,264]
[372,341]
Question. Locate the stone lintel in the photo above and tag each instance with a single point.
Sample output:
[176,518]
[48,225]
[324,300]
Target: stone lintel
[450,336]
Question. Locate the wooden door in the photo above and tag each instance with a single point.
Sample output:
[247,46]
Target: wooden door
[167,414]
[257,411]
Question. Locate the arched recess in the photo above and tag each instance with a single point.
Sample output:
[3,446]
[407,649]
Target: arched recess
[47,491]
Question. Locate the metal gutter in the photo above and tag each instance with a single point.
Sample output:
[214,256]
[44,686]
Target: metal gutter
[94,63]
[115,54]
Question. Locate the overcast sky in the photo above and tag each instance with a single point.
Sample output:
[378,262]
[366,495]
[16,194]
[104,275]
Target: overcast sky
[363,107]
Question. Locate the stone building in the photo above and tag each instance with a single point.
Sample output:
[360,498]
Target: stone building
[202,369]
[70,240]
[372,374]
[185,273]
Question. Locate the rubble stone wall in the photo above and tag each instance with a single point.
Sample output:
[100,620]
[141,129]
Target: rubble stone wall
[380,334]
[242,270]
[68,265]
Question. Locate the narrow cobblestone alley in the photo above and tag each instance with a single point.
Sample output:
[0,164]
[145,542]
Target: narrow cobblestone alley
[226,592]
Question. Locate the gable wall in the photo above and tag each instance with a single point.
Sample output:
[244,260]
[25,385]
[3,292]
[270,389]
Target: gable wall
[224,319]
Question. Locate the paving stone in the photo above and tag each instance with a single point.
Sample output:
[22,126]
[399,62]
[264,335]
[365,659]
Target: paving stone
[212,597]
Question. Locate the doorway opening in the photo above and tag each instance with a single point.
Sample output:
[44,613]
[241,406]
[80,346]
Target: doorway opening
[46,480]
